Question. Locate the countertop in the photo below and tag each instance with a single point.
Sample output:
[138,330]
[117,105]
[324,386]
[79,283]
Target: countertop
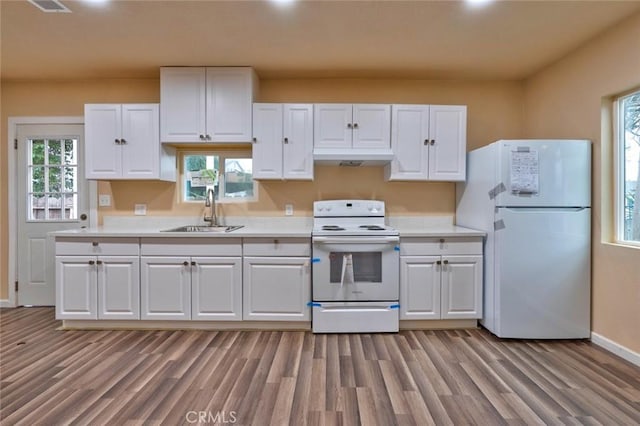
[276,227]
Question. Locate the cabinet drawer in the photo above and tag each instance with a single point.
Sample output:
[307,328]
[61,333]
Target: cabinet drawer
[129,246]
[277,247]
[191,247]
[440,246]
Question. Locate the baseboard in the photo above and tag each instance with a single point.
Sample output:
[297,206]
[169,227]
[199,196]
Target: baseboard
[5,303]
[611,346]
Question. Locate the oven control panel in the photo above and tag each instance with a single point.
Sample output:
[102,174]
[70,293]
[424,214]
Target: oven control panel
[348,208]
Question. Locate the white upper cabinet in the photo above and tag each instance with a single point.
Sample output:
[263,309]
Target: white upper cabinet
[122,142]
[429,142]
[348,126]
[282,141]
[206,104]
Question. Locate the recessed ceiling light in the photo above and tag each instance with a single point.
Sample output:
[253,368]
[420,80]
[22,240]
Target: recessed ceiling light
[283,3]
[478,3]
[50,6]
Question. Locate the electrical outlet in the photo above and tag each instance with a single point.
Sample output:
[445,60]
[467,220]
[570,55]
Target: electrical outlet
[104,200]
[140,209]
[288,209]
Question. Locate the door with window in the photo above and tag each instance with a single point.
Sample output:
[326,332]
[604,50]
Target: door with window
[51,196]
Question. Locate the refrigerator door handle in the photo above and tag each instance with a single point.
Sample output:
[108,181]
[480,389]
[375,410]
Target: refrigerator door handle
[543,209]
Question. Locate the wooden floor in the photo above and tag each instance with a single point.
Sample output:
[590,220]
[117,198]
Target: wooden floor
[51,377]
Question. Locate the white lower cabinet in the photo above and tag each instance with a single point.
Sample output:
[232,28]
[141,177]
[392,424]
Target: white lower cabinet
[438,280]
[94,282]
[277,280]
[201,284]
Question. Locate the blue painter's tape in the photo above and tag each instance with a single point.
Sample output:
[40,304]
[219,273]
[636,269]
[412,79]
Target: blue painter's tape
[397,248]
[314,304]
[315,260]
[394,307]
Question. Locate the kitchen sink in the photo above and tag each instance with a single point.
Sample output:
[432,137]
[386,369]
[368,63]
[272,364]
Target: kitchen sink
[204,228]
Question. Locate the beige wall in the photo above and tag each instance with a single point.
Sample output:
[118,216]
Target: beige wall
[566,100]
[494,111]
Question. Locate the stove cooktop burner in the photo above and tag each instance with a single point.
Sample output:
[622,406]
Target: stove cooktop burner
[372,227]
[332,228]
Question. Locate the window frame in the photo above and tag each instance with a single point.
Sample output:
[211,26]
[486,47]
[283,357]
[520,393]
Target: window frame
[619,140]
[222,155]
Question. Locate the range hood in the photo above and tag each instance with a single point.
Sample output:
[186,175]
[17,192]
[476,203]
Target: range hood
[352,157]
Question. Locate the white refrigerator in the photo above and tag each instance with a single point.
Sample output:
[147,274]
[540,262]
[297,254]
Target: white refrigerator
[533,199]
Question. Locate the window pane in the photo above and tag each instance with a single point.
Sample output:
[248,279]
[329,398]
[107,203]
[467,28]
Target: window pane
[70,152]
[70,179]
[631,174]
[36,207]
[54,151]
[37,151]
[238,177]
[55,180]
[37,179]
[200,174]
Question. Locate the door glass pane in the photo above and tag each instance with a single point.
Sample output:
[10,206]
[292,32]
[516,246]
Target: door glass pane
[37,151]
[238,177]
[53,179]
[54,152]
[367,266]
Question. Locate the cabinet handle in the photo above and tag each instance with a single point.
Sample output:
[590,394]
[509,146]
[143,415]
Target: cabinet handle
[439,262]
[94,243]
[276,242]
[286,140]
[349,126]
[185,263]
[98,262]
[201,137]
[426,141]
[123,141]
[441,240]
[446,262]
[255,140]
[208,137]
[433,142]
[355,125]
[193,263]
[91,262]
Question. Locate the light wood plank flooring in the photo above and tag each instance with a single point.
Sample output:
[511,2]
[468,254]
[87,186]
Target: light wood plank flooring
[48,376]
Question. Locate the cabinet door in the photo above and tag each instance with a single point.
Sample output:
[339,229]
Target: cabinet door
[229,99]
[461,287]
[298,142]
[267,141]
[103,131]
[165,288]
[419,287]
[216,288]
[276,288]
[409,142]
[76,296]
[140,141]
[448,130]
[371,126]
[182,104]
[118,287]
[332,124]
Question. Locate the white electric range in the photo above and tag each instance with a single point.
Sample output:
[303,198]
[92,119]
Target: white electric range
[356,268]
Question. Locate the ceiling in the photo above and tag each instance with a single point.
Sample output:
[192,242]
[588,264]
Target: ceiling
[323,38]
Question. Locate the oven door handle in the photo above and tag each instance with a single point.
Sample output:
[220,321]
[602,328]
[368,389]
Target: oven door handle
[356,240]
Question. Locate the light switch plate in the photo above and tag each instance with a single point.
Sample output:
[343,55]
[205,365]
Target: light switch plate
[104,200]
[288,209]
[140,209]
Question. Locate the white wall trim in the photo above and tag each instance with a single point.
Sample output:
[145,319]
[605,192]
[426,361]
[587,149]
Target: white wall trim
[616,348]
[12,158]
[5,303]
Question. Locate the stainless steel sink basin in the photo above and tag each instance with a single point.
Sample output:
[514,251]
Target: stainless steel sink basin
[197,228]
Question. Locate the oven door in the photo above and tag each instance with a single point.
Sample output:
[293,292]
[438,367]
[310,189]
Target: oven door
[357,268]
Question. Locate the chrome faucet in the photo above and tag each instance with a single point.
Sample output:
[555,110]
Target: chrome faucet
[210,201]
